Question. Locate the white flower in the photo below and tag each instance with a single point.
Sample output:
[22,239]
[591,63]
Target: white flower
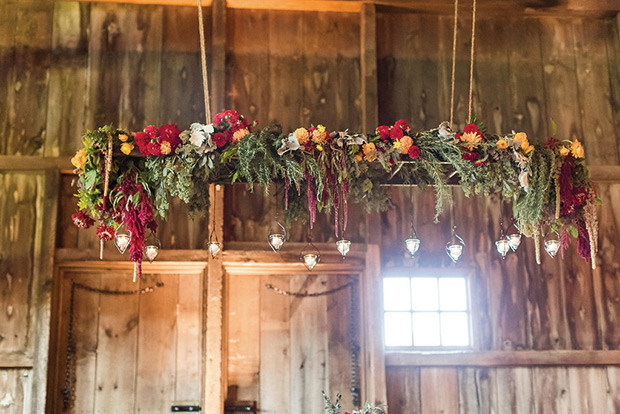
[444,130]
[201,136]
[523,179]
[344,137]
[289,144]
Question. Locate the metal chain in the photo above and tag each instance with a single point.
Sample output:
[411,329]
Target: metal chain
[68,392]
[307,294]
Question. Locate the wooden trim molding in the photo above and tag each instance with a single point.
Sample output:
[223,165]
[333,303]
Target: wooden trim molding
[502,358]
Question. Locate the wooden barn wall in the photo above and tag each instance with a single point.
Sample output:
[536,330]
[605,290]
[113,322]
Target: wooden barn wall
[87,64]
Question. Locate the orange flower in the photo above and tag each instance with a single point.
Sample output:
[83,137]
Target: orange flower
[239,134]
[502,143]
[405,143]
[126,148]
[319,135]
[165,148]
[521,137]
[577,149]
[359,157]
[123,137]
[471,140]
[302,135]
[564,151]
[370,152]
[528,149]
[79,159]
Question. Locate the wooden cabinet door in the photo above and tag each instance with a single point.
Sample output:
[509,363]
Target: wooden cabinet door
[137,346]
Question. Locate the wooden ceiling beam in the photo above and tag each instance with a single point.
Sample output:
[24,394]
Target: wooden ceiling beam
[485,7]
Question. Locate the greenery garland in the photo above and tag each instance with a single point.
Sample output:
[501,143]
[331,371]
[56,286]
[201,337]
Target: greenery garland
[322,171]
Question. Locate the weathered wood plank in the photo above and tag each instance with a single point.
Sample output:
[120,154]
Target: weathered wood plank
[275,342]
[439,390]
[117,345]
[243,335]
[477,391]
[66,98]
[338,310]
[368,63]
[189,369]
[514,390]
[155,363]
[14,386]
[588,389]
[218,63]
[593,83]
[551,390]
[8,16]
[403,390]
[504,358]
[309,370]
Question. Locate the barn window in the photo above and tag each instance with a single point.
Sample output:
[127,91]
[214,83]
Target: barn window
[427,310]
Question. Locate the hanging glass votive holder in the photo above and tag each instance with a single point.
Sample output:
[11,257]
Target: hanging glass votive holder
[276,236]
[310,256]
[122,238]
[214,246]
[503,244]
[343,246]
[152,246]
[454,247]
[412,243]
[514,237]
[552,244]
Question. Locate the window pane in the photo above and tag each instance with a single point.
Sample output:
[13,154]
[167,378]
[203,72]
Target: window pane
[397,329]
[425,329]
[396,294]
[454,329]
[452,294]
[424,293]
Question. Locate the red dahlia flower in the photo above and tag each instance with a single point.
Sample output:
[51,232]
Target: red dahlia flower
[82,220]
[414,152]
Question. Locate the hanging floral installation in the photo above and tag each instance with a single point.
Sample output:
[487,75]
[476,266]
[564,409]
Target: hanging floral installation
[127,179]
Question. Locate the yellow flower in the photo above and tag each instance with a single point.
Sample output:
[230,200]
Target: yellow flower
[471,140]
[320,128]
[370,152]
[123,137]
[577,149]
[524,144]
[239,134]
[79,159]
[502,143]
[302,135]
[564,151]
[126,147]
[405,143]
[165,148]
[521,137]
[319,147]
[527,149]
[359,157]
[396,144]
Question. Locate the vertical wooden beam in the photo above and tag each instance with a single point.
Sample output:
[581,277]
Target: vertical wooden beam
[373,355]
[370,108]
[213,287]
[43,255]
[218,53]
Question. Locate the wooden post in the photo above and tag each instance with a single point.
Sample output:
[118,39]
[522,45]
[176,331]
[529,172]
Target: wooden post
[373,355]
[213,328]
[370,108]
[218,53]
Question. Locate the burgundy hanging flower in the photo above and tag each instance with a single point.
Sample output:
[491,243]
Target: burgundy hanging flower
[414,152]
[82,220]
[105,232]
